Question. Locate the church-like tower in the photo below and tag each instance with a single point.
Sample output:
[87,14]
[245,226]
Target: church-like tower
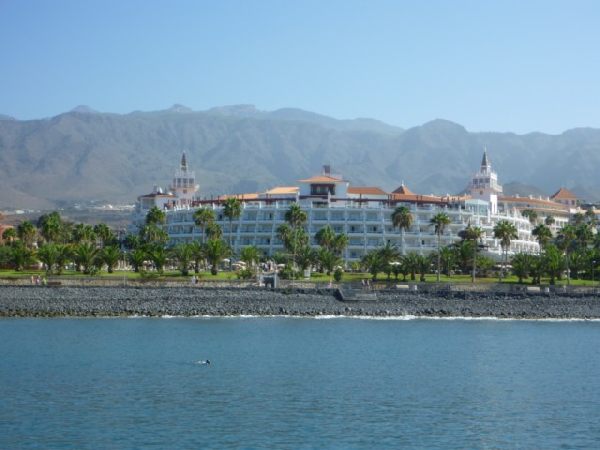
[184,183]
[484,184]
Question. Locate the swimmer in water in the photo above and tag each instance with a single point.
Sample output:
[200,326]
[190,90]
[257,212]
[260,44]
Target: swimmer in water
[204,361]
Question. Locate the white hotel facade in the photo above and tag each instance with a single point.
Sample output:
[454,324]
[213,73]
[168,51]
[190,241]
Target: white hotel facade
[362,213]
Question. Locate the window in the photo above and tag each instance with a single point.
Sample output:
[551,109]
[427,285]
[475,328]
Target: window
[322,189]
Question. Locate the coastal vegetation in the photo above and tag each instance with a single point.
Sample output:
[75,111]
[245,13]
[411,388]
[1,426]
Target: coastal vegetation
[55,247]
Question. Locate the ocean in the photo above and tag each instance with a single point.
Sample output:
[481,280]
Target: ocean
[298,383]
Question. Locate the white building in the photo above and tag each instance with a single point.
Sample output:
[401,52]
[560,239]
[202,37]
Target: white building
[484,184]
[362,213]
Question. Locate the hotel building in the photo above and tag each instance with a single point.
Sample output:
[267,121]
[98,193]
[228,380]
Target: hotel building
[363,213]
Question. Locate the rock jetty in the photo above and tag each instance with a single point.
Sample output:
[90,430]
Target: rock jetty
[52,301]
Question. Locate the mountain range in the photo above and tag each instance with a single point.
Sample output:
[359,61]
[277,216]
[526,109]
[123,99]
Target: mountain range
[85,155]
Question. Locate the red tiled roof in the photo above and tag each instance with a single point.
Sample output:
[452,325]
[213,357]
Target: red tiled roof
[366,190]
[403,190]
[564,194]
[279,190]
[322,179]
[532,201]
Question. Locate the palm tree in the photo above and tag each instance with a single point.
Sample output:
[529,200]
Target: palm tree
[83,233]
[578,218]
[9,235]
[132,241]
[48,255]
[590,216]
[389,252]
[183,254]
[137,257]
[553,262]
[505,231]
[329,261]
[214,231]
[155,216]
[448,259]
[203,217]
[65,254]
[325,237]
[197,254]
[250,255]
[565,242]
[306,257]
[292,234]
[473,234]
[543,234]
[423,266]
[105,234]
[153,234]
[549,220]
[440,221]
[536,268]
[284,232]
[411,262]
[335,243]
[402,219]
[340,242]
[373,262]
[157,254]
[232,209]
[521,265]
[27,233]
[21,255]
[216,251]
[296,216]
[110,256]
[583,235]
[530,214]
[50,226]
[86,257]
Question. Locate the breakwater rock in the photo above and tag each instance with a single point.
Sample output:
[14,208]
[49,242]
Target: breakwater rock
[27,301]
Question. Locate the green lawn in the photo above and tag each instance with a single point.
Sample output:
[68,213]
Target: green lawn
[315,277]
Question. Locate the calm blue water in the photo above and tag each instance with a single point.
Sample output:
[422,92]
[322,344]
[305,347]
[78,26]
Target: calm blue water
[298,383]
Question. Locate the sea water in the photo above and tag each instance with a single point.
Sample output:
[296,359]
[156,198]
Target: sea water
[298,383]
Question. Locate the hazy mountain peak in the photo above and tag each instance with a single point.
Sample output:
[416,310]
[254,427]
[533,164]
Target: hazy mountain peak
[443,125]
[359,124]
[233,150]
[84,109]
[235,110]
[178,108]
[6,117]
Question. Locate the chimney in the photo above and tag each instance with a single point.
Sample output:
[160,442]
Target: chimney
[327,169]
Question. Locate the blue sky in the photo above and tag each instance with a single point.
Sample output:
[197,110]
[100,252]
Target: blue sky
[488,65]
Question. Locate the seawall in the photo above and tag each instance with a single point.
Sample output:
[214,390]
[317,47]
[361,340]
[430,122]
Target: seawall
[52,301]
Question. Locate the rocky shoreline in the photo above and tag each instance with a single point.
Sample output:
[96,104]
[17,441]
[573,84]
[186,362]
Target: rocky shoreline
[59,301]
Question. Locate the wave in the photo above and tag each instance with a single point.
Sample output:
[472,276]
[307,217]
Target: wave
[365,317]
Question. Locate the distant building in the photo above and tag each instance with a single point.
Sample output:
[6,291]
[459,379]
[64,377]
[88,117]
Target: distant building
[3,228]
[363,213]
[484,184]
[565,197]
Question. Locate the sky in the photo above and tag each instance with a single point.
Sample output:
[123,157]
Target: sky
[519,66]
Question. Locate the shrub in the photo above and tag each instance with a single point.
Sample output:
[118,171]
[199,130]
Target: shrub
[245,274]
[337,274]
[287,273]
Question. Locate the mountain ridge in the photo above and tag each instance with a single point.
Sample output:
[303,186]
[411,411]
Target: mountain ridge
[79,156]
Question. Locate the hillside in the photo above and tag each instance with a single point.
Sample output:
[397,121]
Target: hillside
[84,155]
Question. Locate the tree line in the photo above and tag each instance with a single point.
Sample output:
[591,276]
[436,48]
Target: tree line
[56,243]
